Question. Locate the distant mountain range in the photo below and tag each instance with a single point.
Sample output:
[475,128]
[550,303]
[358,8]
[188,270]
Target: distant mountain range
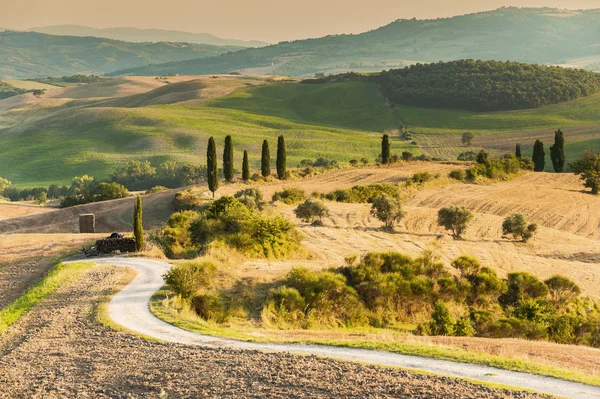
[145,35]
[35,55]
[532,35]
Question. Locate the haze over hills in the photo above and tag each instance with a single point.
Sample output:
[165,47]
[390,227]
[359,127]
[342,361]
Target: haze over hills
[32,55]
[533,35]
[136,35]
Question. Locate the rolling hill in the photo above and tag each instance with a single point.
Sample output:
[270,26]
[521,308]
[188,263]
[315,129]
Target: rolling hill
[144,35]
[533,35]
[33,55]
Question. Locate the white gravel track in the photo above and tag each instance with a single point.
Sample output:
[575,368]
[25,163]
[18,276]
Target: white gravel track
[130,309]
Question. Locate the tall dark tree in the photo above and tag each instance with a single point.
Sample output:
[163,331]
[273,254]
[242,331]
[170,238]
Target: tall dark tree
[281,158]
[265,160]
[228,159]
[138,228]
[557,152]
[539,156]
[245,167]
[385,149]
[518,151]
[212,173]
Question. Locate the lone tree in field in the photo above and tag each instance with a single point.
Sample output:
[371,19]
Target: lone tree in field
[557,152]
[518,151]
[588,168]
[539,156]
[455,218]
[467,138]
[519,228]
[385,149]
[138,228]
[245,167]
[265,160]
[281,161]
[212,173]
[312,211]
[388,209]
[228,159]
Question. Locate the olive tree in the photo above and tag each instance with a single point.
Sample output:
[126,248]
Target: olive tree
[312,211]
[455,218]
[387,209]
[518,226]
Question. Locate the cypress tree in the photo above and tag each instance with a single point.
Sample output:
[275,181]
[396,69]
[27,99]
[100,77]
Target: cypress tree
[539,156]
[385,149]
[228,159]
[212,174]
[245,167]
[138,228]
[281,162]
[518,151]
[557,152]
[265,160]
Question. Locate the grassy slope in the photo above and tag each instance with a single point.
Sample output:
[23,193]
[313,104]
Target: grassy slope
[99,138]
[576,113]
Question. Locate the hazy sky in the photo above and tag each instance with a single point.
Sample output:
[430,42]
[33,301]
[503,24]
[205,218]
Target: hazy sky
[268,20]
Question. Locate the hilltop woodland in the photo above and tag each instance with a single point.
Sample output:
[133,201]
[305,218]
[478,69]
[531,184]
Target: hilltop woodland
[479,85]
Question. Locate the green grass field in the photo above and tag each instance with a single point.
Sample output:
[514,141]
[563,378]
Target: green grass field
[94,141]
[338,121]
[583,112]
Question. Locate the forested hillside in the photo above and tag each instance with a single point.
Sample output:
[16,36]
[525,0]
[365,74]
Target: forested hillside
[533,35]
[486,85]
[36,55]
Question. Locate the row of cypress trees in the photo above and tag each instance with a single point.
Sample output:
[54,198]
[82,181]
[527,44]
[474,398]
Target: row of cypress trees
[557,153]
[228,169]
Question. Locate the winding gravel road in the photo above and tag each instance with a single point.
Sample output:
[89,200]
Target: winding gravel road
[130,309]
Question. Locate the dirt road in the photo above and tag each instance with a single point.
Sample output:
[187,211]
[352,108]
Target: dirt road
[129,308]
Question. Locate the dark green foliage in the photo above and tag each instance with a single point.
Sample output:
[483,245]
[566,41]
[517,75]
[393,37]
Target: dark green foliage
[467,138]
[137,175]
[422,177]
[557,152]
[385,149]
[251,197]
[588,168]
[467,156]
[523,286]
[455,218]
[109,191]
[245,167]
[292,195]
[85,189]
[562,289]
[312,211]
[485,85]
[212,174]
[388,210]
[228,170]
[231,223]
[519,228]
[483,157]
[518,151]
[407,156]
[265,160]
[7,90]
[458,174]
[363,194]
[539,156]
[442,322]
[138,228]
[281,159]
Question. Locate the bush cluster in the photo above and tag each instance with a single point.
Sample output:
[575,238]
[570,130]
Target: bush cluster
[290,196]
[501,168]
[363,194]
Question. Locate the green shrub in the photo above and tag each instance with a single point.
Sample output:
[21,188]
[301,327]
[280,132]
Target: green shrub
[464,328]
[186,201]
[519,228]
[363,194]
[421,178]
[442,322]
[523,286]
[190,278]
[312,211]
[157,189]
[290,196]
[562,289]
[175,237]
[455,218]
[210,306]
[388,210]
[458,174]
[252,198]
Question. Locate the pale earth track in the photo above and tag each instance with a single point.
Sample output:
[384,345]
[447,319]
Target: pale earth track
[130,309]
